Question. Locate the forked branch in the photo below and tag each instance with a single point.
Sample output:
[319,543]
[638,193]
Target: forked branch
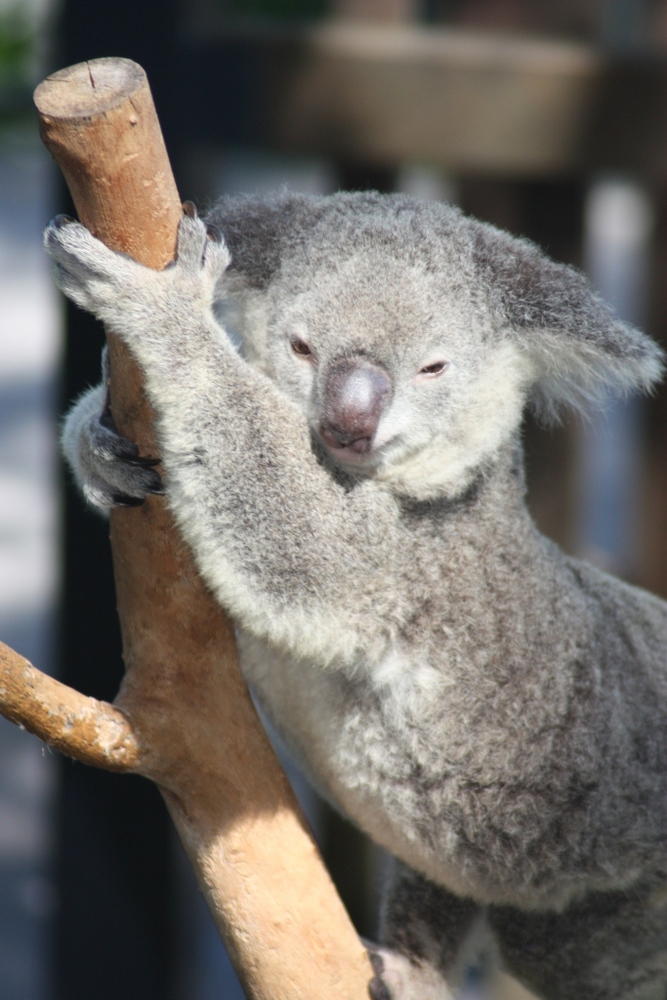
[183,716]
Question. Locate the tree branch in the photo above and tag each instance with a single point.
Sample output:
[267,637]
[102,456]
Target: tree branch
[92,731]
[183,717]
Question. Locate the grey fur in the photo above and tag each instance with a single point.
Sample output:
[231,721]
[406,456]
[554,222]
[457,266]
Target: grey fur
[491,711]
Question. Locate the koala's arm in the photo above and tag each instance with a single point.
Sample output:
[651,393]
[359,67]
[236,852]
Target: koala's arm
[287,550]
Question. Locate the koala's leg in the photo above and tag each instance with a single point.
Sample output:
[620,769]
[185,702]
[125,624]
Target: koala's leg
[611,946]
[107,467]
[429,937]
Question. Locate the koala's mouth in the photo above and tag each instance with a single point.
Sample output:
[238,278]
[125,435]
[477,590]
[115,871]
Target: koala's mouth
[355,447]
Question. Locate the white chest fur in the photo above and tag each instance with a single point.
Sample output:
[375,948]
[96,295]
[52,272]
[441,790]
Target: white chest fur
[342,732]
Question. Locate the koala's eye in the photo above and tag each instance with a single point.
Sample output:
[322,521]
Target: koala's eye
[301,348]
[436,368]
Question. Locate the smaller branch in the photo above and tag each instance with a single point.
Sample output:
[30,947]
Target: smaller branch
[89,730]
[260,872]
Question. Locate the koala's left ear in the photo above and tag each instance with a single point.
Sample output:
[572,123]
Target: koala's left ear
[578,349]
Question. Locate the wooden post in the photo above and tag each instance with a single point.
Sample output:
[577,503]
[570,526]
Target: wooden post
[183,716]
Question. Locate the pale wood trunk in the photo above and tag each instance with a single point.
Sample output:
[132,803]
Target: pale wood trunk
[192,727]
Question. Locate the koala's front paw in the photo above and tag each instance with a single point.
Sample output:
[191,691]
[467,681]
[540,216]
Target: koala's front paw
[86,270]
[108,467]
[399,978]
[131,299]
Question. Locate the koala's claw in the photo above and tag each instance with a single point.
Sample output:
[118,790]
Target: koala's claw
[112,472]
[117,448]
[142,462]
[62,220]
[398,977]
[123,500]
[121,448]
[214,234]
[377,988]
[133,475]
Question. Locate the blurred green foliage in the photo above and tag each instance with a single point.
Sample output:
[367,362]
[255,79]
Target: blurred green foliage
[18,35]
[17,39]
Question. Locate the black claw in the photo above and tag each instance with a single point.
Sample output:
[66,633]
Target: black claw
[377,990]
[123,500]
[136,459]
[377,961]
[153,482]
[107,420]
[61,220]
[214,234]
[189,209]
[127,450]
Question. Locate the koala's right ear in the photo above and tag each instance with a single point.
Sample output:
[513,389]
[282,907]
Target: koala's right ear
[579,351]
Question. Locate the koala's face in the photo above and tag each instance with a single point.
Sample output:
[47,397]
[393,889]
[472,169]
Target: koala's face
[411,337]
[386,360]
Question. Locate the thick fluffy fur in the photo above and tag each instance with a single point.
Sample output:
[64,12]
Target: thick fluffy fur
[492,712]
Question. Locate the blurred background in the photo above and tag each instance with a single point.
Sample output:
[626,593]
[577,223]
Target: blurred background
[546,117]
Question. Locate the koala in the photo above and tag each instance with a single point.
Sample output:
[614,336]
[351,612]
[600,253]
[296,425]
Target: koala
[339,385]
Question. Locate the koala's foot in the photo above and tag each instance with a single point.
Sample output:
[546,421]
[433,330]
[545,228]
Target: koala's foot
[108,467]
[398,978]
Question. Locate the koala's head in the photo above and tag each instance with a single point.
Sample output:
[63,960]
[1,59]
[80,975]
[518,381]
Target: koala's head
[412,337]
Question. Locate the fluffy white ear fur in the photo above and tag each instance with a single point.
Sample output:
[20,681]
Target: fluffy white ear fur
[578,349]
[573,373]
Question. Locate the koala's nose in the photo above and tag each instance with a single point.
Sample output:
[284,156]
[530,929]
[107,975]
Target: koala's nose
[355,394]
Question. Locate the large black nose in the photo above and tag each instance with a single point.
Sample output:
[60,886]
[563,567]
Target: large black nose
[354,396]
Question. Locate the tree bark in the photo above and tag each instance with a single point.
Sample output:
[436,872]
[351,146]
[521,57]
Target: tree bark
[183,716]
